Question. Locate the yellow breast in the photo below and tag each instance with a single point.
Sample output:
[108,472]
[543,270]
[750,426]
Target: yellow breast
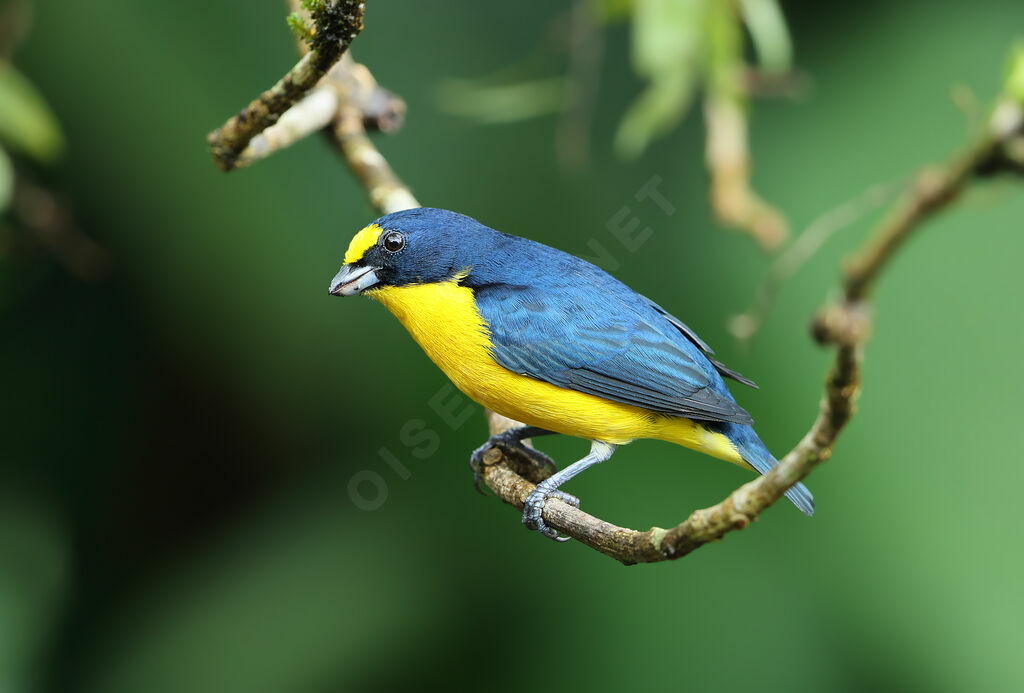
[443,319]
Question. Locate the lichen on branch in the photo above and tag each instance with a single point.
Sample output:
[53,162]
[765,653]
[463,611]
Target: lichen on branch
[336,25]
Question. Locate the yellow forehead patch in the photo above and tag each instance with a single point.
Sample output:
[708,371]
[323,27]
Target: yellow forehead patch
[363,241]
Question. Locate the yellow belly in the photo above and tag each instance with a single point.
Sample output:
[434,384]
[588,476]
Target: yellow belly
[444,321]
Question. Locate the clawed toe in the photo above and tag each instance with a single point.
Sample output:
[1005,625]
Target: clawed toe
[541,459]
[506,441]
[534,455]
[533,510]
[566,498]
[476,461]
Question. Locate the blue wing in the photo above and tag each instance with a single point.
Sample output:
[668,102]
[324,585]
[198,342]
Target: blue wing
[702,345]
[608,342]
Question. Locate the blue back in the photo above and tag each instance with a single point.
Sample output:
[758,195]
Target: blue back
[560,319]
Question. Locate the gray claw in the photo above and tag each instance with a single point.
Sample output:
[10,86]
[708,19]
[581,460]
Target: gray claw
[476,460]
[537,456]
[533,510]
[566,498]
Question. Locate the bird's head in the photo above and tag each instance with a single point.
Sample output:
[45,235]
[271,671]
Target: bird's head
[415,246]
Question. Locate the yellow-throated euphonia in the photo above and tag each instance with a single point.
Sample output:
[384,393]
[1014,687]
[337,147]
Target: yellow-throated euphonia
[548,339]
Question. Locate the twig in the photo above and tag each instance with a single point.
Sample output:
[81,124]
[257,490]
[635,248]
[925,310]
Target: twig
[930,191]
[997,148]
[313,113]
[15,22]
[347,88]
[51,221]
[727,150]
[363,105]
[745,325]
[966,101]
[387,193]
[337,24]
[733,200]
[586,47]
[793,84]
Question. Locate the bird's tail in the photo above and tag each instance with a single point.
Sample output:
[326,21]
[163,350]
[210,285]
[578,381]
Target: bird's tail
[754,453]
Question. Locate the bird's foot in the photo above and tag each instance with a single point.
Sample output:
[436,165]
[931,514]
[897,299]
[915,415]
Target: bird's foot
[533,509]
[506,443]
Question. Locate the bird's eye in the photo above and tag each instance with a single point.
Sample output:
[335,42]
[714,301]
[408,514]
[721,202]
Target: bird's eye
[394,242]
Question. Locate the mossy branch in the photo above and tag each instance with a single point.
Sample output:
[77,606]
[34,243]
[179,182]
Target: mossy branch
[362,106]
[336,25]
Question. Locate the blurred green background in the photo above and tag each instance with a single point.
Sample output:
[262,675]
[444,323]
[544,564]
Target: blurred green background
[178,438]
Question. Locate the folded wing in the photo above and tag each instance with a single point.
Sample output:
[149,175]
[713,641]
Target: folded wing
[618,347]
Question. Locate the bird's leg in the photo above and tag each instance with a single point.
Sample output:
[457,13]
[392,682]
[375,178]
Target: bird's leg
[512,438]
[533,509]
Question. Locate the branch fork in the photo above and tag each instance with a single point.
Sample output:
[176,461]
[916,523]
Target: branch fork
[338,22]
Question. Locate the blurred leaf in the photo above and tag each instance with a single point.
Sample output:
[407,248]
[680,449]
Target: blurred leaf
[667,35]
[1013,85]
[724,54]
[611,10]
[654,113]
[26,121]
[506,103]
[667,45]
[6,180]
[769,32]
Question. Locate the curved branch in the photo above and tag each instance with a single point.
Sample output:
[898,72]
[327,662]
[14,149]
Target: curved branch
[846,325]
[727,150]
[364,104]
[504,472]
[312,114]
[931,190]
[337,24]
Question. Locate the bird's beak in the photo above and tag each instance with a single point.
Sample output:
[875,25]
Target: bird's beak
[352,279]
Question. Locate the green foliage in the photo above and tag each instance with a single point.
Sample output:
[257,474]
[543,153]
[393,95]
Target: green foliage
[1013,84]
[502,103]
[769,34]
[667,49]
[723,51]
[677,46]
[680,45]
[298,24]
[611,10]
[26,122]
[299,27]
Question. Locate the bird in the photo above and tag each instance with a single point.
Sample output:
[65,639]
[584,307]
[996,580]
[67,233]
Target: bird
[552,341]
